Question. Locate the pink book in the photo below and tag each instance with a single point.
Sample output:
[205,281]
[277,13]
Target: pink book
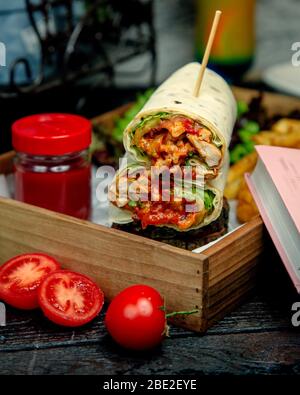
[275,186]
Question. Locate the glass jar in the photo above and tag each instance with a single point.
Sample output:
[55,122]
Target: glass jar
[52,168]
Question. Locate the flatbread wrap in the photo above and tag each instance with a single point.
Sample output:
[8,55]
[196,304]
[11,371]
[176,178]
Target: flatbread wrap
[171,202]
[176,128]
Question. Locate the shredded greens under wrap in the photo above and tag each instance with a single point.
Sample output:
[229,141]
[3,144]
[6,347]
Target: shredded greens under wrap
[207,196]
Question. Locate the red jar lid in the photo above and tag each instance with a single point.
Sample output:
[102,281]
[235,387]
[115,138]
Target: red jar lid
[51,134]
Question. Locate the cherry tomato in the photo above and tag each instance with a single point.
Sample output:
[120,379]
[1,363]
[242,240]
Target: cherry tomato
[21,276]
[135,318]
[70,299]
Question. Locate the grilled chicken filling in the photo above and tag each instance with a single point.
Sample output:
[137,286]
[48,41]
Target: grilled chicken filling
[161,212]
[172,141]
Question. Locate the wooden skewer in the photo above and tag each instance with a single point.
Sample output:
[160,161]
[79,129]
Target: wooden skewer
[207,52]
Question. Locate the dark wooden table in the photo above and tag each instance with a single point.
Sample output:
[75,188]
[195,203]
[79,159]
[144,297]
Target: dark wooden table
[257,338]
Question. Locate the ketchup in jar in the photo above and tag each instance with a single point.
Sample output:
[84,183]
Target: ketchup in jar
[52,168]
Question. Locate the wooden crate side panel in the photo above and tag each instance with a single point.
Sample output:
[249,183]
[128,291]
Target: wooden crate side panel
[222,291]
[113,258]
[230,304]
[227,265]
[233,266]
[236,250]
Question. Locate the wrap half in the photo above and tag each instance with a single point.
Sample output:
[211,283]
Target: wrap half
[136,195]
[176,128]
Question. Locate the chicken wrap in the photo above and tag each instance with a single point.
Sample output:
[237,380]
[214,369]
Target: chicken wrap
[171,201]
[176,128]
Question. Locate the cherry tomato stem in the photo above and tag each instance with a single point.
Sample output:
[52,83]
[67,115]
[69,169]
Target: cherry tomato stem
[136,318]
[174,313]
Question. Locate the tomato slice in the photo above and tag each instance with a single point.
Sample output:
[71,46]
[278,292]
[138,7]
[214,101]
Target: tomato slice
[70,299]
[21,276]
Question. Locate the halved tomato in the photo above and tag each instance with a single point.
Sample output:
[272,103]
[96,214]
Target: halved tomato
[21,276]
[70,299]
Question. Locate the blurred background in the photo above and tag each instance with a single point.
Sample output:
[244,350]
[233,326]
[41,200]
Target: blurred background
[90,56]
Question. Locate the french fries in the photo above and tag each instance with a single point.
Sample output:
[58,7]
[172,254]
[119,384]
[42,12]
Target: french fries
[279,139]
[286,125]
[284,133]
[246,207]
[236,174]
[232,188]
[245,212]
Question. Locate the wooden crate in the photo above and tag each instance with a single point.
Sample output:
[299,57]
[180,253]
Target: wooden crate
[214,281]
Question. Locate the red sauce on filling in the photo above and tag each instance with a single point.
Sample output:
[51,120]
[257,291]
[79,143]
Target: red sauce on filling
[163,213]
[167,148]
